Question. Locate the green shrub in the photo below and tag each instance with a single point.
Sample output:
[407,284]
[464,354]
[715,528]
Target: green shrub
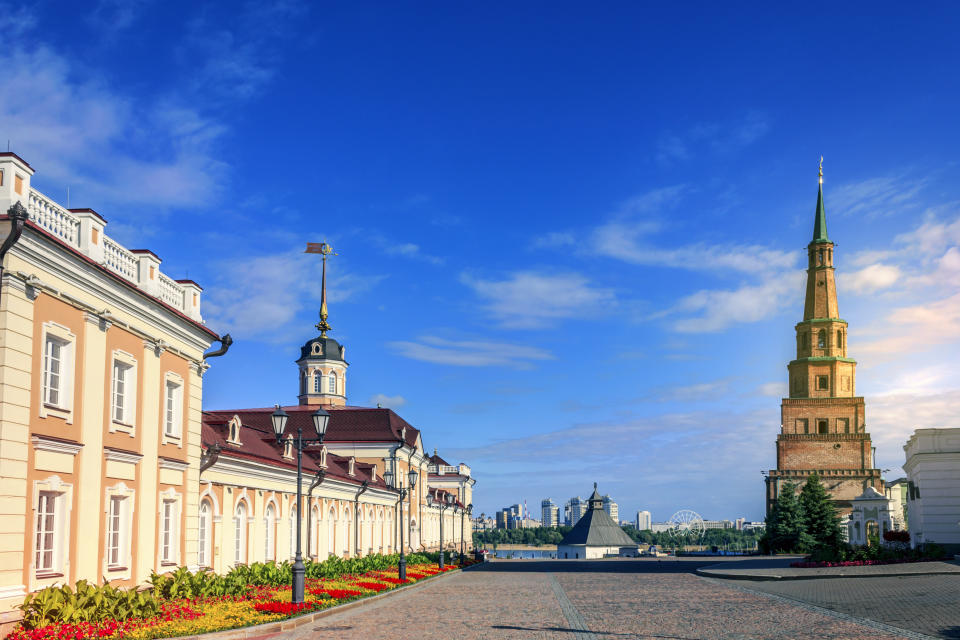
[86,603]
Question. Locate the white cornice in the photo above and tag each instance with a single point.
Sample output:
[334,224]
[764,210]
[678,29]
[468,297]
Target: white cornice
[112,455]
[47,256]
[56,446]
[176,465]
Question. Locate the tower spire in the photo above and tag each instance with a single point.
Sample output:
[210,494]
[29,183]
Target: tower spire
[324,250]
[820,222]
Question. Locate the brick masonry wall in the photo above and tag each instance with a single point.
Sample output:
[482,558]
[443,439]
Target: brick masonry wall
[809,453]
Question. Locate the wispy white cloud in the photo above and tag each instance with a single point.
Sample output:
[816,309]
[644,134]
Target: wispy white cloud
[259,296]
[15,20]
[711,310]
[715,138]
[773,389]
[873,277]
[914,328]
[390,402]
[412,251]
[470,353]
[528,299]
[874,197]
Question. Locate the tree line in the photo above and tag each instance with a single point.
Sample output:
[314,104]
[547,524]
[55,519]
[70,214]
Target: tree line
[538,536]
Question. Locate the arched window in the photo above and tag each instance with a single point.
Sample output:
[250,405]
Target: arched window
[806,340]
[240,534]
[822,339]
[205,530]
[331,532]
[293,529]
[332,383]
[270,523]
[820,257]
[348,527]
[822,426]
[315,532]
[317,382]
[839,339]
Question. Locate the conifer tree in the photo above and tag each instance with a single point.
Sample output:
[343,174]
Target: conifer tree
[786,529]
[820,517]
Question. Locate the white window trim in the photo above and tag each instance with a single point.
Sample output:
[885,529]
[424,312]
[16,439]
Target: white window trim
[172,379]
[124,569]
[61,538]
[174,560]
[270,520]
[205,539]
[67,375]
[128,424]
[241,525]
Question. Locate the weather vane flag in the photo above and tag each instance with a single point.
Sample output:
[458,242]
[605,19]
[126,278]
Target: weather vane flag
[324,250]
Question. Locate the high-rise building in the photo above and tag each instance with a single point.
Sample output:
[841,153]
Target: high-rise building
[612,508]
[577,507]
[823,424]
[550,513]
[643,520]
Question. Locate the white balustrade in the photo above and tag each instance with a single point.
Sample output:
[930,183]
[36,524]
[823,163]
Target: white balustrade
[65,225]
[52,217]
[171,292]
[119,259]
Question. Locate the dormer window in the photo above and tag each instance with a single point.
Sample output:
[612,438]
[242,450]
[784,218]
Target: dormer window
[233,427]
[316,349]
[323,457]
[350,466]
[373,473]
[288,448]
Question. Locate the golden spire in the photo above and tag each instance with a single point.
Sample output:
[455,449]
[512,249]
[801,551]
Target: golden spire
[821,169]
[324,250]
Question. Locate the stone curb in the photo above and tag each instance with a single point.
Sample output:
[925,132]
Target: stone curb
[758,577]
[269,629]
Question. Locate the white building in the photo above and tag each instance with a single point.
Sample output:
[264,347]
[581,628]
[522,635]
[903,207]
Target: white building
[612,508]
[643,520]
[933,495]
[576,507]
[550,513]
[869,517]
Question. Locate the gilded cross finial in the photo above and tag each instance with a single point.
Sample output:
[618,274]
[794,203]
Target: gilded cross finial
[821,170]
[324,250]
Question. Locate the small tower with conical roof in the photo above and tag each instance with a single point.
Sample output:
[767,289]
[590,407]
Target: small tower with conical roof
[823,421]
[323,369]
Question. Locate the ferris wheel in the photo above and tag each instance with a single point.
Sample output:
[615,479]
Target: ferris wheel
[687,524]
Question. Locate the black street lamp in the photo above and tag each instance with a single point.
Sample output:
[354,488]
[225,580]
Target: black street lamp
[320,421]
[467,511]
[388,477]
[443,504]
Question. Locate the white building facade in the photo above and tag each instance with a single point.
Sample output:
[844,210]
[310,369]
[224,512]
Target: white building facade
[933,495]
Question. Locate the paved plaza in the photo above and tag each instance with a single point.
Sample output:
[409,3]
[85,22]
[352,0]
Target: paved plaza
[647,598]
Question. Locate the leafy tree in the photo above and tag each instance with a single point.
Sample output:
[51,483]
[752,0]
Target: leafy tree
[820,515]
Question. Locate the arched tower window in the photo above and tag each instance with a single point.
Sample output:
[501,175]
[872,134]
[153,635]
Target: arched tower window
[820,257]
[204,534]
[332,383]
[839,339]
[270,522]
[317,382]
[822,339]
[240,534]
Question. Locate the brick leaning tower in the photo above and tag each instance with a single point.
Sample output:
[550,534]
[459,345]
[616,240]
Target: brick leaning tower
[822,423]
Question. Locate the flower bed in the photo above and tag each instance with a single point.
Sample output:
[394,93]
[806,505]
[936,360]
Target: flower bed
[859,563]
[257,604]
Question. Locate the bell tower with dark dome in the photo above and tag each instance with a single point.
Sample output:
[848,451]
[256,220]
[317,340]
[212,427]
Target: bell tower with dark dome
[323,370]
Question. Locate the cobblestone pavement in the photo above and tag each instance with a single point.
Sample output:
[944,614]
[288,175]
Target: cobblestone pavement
[574,600]
[928,604]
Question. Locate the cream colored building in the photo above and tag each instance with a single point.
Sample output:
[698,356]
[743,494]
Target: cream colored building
[101,364]
[933,495]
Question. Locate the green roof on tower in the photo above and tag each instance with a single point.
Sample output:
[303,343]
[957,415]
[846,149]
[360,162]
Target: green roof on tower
[820,223]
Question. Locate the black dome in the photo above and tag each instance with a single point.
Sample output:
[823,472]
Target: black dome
[321,348]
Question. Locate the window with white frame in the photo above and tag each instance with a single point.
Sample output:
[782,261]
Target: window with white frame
[204,530]
[47,523]
[317,382]
[293,531]
[115,535]
[168,532]
[173,403]
[56,360]
[123,391]
[332,383]
[270,522]
[240,534]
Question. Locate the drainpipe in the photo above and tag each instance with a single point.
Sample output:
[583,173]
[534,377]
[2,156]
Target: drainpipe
[209,457]
[18,218]
[225,342]
[356,518]
[317,479]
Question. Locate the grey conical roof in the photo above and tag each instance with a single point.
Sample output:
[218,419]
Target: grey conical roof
[597,528]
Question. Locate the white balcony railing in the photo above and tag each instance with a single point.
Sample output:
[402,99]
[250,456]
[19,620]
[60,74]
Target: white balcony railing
[67,226]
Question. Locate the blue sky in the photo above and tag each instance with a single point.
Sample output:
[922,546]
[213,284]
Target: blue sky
[571,238]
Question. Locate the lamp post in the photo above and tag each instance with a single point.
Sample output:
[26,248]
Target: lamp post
[468,511]
[389,478]
[443,504]
[320,421]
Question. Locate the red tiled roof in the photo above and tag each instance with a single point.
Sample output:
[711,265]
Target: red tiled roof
[259,445]
[347,424]
[440,495]
[35,227]
[435,459]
